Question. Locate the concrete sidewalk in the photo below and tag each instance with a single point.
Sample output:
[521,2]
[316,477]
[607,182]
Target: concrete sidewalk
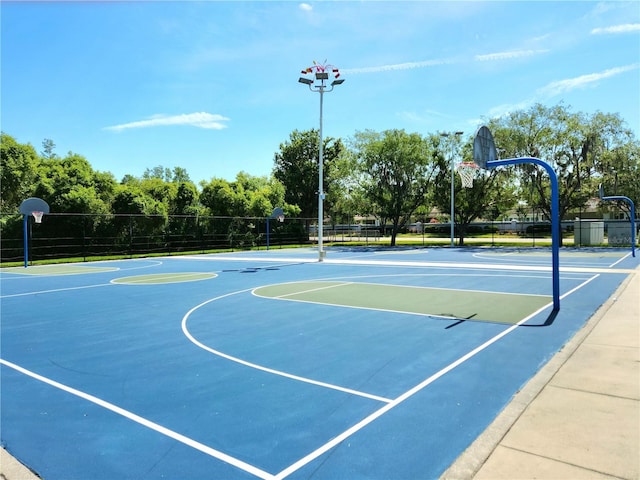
[579,417]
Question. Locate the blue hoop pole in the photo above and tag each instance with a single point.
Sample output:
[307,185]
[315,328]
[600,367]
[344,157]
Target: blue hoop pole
[633,219]
[555,218]
[25,224]
[268,232]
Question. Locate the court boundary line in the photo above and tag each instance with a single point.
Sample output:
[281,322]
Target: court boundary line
[473,457]
[312,455]
[54,290]
[408,264]
[543,258]
[478,266]
[144,422]
[409,393]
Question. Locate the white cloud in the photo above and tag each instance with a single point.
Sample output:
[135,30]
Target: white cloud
[437,62]
[199,119]
[507,108]
[569,84]
[508,55]
[624,28]
[306,7]
[396,66]
[556,88]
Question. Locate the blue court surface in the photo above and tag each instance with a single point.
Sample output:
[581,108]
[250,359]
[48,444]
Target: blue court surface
[375,363]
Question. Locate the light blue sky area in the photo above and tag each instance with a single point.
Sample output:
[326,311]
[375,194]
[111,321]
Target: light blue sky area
[213,86]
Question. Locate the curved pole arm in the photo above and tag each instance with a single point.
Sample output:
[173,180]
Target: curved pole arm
[555,217]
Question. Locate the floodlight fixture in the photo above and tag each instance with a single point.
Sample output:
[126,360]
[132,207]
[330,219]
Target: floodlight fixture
[306,81]
[337,81]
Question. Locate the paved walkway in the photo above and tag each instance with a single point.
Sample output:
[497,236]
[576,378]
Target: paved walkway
[578,418]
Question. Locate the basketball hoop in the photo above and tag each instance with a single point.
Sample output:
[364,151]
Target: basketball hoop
[278,214]
[37,216]
[467,172]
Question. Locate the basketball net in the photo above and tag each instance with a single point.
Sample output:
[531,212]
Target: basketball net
[467,172]
[37,216]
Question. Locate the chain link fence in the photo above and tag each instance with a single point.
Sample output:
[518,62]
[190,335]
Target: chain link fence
[83,236]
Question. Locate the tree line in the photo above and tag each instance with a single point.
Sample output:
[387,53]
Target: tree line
[393,176]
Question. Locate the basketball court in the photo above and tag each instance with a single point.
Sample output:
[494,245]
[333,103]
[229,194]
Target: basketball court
[301,363]
[374,363]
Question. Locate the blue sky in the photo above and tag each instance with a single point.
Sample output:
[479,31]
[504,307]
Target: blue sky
[213,86]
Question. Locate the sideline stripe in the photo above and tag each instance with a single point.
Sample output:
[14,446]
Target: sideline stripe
[147,423]
[409,393]
[311,456]
[54,290]
[453,265]
[289,260]
[480,266]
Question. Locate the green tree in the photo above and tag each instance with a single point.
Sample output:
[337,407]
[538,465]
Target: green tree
[57,178]
[221,198]
[70,185]
[175,175]
[620,174]
[576,145]
[130,200]
[48,148]
[296,167]
[186,200]
[160,190]
[492,191]
[18,170]
[395,171]
[347,195]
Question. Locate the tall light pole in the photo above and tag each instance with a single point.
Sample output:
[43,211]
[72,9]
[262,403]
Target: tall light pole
[319,82]
[453,135]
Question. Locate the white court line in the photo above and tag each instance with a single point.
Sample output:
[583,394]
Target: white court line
[164,278]
[292,260]
[55,290]
[483,275]
[280,373]
[147,423]
[327,287]
[409,393]
[287,297]
[479,266]
[623,258]
[402,263]
[416,287]
[311,456]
